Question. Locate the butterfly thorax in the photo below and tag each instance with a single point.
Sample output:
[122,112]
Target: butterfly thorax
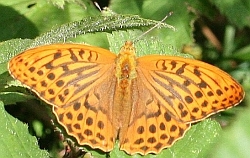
[125,65]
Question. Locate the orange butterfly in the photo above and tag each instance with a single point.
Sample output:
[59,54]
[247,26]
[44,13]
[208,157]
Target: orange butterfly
[147,102]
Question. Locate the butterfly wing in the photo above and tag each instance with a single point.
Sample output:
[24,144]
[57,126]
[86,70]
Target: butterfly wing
[173,92]
[78,81]
[151,128]
[191,90]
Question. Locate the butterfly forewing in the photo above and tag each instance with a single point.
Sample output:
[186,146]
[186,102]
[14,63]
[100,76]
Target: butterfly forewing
[61,67]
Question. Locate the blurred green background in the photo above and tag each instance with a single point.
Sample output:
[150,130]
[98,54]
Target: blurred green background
[215,31]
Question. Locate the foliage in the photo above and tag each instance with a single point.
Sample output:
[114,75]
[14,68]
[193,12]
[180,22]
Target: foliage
[220,29]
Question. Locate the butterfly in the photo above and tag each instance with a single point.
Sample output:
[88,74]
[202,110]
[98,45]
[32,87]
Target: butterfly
[147,103]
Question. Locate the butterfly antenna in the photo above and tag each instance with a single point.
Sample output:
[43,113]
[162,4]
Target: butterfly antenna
[152,28]
[97,6]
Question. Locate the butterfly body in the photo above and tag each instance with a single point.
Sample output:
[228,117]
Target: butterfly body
[125,74]
[147,103]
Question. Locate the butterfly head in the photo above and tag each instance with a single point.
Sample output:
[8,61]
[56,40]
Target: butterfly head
[128,49]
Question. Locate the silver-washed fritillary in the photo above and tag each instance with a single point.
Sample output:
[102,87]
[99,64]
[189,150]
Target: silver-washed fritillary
[147,102]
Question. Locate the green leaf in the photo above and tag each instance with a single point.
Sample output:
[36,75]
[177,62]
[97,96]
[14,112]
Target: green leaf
[198,140]
[12,97]
[12,47]
[237,12]
[30,18]
[243,53]
[235,141]
[15,141]
[181,19]
[60,3]
[89,25]
[9,49]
